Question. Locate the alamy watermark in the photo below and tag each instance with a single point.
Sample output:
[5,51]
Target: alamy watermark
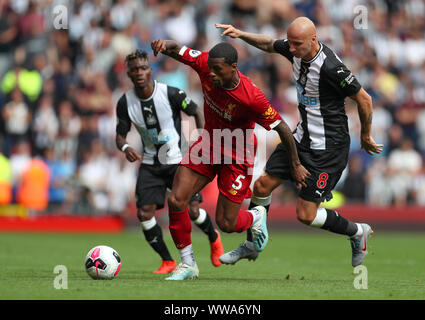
[360,281]
[60,282]
[360,18]
[60,17]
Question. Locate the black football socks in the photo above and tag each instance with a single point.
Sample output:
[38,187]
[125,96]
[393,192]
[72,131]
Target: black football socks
[205,224]
[153,235]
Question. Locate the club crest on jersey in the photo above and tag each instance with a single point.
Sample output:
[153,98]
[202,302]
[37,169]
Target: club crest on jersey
[229,110]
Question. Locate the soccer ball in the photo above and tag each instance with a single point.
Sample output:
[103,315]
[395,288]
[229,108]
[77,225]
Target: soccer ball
[103,262]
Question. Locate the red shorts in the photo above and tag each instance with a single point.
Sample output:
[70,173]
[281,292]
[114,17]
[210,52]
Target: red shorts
[233,179]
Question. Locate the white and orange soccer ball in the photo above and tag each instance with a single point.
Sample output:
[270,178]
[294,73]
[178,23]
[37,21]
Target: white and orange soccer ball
[103,262]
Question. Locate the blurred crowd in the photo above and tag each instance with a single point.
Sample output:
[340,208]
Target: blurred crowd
[62,71]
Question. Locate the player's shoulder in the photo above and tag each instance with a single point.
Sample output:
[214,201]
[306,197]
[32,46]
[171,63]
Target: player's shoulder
[332,60]
[248,85]
[248,92]
[122,101]
[175,92]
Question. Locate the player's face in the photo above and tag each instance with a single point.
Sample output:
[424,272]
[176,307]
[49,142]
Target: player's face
[139,71]
[300,47]
[221,73]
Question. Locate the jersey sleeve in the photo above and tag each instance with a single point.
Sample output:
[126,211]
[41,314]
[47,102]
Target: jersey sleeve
[123,119]
[194,58]
[344,80]
[282,47]
[263,112]
[180,101]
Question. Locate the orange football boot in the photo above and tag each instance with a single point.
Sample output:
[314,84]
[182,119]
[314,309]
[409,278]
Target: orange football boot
[216,250]
[167,266]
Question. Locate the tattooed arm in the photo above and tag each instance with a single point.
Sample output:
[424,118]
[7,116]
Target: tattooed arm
[364,105]
[260,41]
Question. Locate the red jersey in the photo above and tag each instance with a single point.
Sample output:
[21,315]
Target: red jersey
[234,109]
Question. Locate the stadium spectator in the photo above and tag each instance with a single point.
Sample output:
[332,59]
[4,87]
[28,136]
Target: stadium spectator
[45,125]
[28,81]
[404,164]
[33,186]
[9,31]
[61,171]
[17,116]
[5,180]
[354,185]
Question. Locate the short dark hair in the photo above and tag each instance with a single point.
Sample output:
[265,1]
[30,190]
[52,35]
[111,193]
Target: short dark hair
[142,54]
[224,50]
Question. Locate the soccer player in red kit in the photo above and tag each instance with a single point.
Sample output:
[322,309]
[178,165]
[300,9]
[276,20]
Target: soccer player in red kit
[232,105]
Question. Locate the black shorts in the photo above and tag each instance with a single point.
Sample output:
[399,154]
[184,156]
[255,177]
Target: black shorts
[152,184]
[325,167]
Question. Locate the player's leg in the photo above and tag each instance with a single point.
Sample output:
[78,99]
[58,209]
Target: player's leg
[309,213]
[150,196]
[202,219]
[276,171]
[233,184]
[262,194]
[153,235]
[230,218]
[263,188]
[186,182]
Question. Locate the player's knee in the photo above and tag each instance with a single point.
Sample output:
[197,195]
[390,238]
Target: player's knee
[260,188]
[225,225]
[146,213]
[176,203]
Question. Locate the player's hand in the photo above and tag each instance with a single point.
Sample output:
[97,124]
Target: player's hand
[158,46]
[300,175]
[132,155]
[229,30]
[369,145]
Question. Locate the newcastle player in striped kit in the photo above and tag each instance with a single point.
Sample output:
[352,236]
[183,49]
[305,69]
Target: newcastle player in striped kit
[322,82]
[154,109]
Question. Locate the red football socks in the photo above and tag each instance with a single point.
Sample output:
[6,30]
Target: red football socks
[243,221]
[180,227]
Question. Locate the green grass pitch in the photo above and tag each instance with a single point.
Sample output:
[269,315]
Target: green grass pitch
[310,264]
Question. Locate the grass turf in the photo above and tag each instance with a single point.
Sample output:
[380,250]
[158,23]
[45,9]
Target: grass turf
[295,265]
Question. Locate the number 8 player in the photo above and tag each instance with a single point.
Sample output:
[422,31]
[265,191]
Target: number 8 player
[323,82]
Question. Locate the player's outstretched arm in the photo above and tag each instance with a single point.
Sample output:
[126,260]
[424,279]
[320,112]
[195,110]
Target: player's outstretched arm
[260,41]
[365,109]
[131,154]
[168,47]
[299,173]
[199,119]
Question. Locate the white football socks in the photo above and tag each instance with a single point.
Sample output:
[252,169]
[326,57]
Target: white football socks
[186,255]
[148,224]
[201,218]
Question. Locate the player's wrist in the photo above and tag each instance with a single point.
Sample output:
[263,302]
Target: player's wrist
[124,147]
[295,164]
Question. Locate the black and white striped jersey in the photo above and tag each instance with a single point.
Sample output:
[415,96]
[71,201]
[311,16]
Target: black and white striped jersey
[158,121]
[322,85]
